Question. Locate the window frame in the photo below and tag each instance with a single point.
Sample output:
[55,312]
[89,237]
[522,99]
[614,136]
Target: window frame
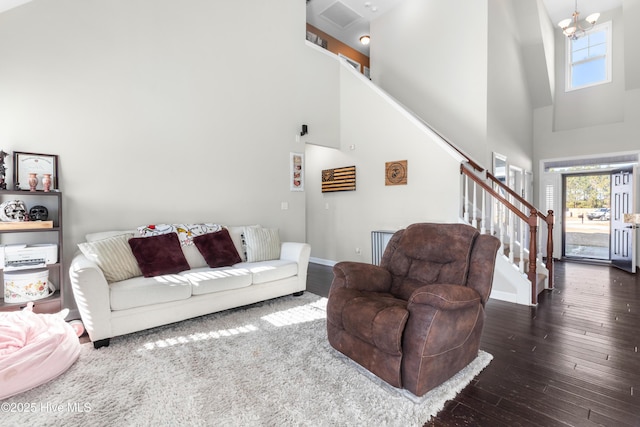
[606,27]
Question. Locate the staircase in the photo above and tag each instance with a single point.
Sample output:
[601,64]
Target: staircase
[522,272]
[522,269]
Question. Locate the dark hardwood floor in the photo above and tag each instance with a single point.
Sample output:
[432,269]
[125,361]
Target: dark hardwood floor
[571,361]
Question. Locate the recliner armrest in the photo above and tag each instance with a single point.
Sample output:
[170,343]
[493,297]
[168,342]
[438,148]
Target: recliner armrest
[445,297]
[361,276]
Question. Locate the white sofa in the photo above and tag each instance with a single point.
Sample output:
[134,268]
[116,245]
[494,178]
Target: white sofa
[110,309]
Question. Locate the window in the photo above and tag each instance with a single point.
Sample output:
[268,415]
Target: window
[589,58]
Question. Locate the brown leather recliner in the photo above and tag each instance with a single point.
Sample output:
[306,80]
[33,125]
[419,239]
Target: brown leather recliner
[415,320]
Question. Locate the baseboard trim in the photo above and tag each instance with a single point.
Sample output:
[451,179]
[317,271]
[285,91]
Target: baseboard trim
[321,261]
[503,296]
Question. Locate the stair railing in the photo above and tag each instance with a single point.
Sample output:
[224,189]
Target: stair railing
[547,219]
[509,220]
[499,200]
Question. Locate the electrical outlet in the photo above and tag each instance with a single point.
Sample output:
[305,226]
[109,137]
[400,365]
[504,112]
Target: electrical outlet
[358,251]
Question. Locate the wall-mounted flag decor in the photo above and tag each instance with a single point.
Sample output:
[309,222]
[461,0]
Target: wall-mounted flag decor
[339,179]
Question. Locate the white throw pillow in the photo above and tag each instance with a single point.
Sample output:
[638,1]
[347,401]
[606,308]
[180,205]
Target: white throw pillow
[237,236]
[263,244]
[114,257]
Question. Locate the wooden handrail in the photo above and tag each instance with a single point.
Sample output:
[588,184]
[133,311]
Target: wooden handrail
[548,219]
[514,194]
[531,220]
[470,161]
[494,193]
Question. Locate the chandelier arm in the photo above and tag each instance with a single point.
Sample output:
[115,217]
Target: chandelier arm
[574,23]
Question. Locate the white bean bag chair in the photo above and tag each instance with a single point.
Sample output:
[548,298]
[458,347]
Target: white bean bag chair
[34,348]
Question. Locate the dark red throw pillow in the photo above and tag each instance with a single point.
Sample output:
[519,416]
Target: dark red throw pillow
[217,249]
[158,255]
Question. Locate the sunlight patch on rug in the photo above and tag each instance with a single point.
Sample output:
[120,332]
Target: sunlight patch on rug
[199,336]
[301,314]
[269,364]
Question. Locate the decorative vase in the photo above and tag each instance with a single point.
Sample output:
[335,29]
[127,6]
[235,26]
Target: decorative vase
[46,182]
[33,181]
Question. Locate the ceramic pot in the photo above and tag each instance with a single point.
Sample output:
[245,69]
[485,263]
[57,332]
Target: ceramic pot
[46,182]
[33,181]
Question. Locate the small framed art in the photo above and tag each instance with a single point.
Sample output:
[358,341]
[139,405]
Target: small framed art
[28,165]
[296,174]
[395,173]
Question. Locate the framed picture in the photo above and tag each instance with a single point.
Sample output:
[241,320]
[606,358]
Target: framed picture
[395,173]
[40,164]
[296,174]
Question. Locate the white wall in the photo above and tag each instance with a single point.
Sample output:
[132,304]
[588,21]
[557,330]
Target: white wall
[599,120]
[432,56]
[340,222]
[596,120]
[597,105]
[320,94]
[509,110]
[162,111]
[631,11]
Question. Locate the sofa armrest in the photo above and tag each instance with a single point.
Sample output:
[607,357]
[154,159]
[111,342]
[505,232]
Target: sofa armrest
[361,276]
[300,253]
[91,292]
[445,297]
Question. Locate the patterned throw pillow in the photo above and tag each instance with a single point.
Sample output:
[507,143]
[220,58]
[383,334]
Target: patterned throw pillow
[185,232]
[114,257]
[263,244]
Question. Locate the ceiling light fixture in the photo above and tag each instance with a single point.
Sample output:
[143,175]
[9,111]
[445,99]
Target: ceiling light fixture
[571,26]
[365,40]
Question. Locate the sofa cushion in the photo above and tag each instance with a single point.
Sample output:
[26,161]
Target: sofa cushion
[158,255]
[263,244]
[268,271]
[143,291]
[207,280]
[114,257]
[217,248]
[193,256]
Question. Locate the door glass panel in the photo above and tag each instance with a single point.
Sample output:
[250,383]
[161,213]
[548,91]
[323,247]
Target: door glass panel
[587,216]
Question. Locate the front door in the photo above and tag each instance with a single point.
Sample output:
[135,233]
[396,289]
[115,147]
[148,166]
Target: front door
[622,235]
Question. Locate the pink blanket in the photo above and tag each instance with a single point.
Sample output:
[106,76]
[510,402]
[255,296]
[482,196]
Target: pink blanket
[34,349]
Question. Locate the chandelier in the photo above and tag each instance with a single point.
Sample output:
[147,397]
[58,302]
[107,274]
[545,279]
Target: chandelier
[571,26]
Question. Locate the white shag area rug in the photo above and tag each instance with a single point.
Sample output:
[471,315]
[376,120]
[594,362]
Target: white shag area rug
[268,364]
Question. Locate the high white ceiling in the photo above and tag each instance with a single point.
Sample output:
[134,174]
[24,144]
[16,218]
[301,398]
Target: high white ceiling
[348,20]
[561,9]
[371,9]
[320,14]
